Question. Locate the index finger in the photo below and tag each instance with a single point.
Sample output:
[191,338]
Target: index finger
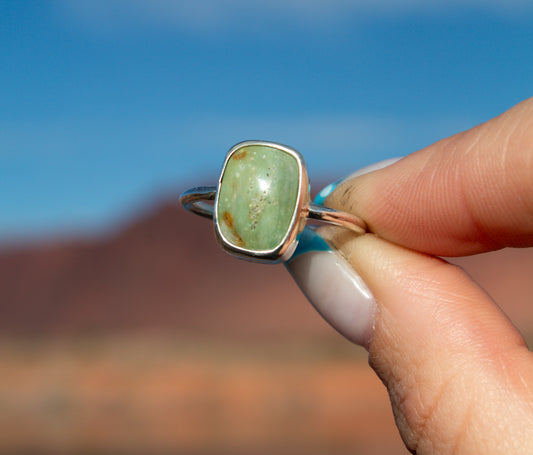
[466,194]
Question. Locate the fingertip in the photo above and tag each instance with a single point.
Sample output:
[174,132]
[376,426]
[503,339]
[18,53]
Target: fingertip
[443,200]
[439,344]
[332,286]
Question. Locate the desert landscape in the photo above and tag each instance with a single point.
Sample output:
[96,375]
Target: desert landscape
[149,339]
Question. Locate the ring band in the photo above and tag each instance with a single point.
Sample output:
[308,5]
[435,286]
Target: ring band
[194,200]
[261,203]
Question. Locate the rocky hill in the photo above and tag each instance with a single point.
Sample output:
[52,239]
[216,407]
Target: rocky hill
[164,271]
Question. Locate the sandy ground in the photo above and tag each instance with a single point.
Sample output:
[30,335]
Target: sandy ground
[161,395]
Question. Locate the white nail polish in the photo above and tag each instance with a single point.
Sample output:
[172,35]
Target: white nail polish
[336,291]
[330,283]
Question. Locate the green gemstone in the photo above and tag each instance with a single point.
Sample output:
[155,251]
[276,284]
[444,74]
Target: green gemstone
[257,197]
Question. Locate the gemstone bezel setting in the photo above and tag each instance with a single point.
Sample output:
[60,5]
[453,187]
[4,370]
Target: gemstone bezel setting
[285,248]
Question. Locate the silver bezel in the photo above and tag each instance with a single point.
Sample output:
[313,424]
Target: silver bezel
[286,248]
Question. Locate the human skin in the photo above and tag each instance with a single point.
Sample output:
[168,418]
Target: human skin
[459,374]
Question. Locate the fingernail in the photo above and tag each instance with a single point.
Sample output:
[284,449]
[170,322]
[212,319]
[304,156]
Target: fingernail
[326,191]
[333,287]
[329,282]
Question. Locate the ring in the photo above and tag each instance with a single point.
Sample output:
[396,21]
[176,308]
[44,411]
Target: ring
[261,203]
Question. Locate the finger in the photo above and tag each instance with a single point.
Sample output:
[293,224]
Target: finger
[468,193]
[459,375]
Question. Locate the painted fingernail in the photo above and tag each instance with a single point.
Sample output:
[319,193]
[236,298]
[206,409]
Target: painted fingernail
[333,287]
[329,282]
[326,191]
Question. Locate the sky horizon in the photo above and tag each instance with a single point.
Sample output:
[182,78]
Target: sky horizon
[105,105]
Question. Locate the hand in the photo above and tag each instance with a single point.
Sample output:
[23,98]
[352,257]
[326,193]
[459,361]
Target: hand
[459,375]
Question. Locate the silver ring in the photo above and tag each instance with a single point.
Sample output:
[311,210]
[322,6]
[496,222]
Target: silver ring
[262,202]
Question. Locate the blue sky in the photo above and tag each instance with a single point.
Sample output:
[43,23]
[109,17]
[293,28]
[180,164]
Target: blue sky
[107,105]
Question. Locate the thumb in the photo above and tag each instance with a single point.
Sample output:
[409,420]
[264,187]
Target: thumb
[459,375]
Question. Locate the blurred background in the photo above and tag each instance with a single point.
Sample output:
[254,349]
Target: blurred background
[123,327]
